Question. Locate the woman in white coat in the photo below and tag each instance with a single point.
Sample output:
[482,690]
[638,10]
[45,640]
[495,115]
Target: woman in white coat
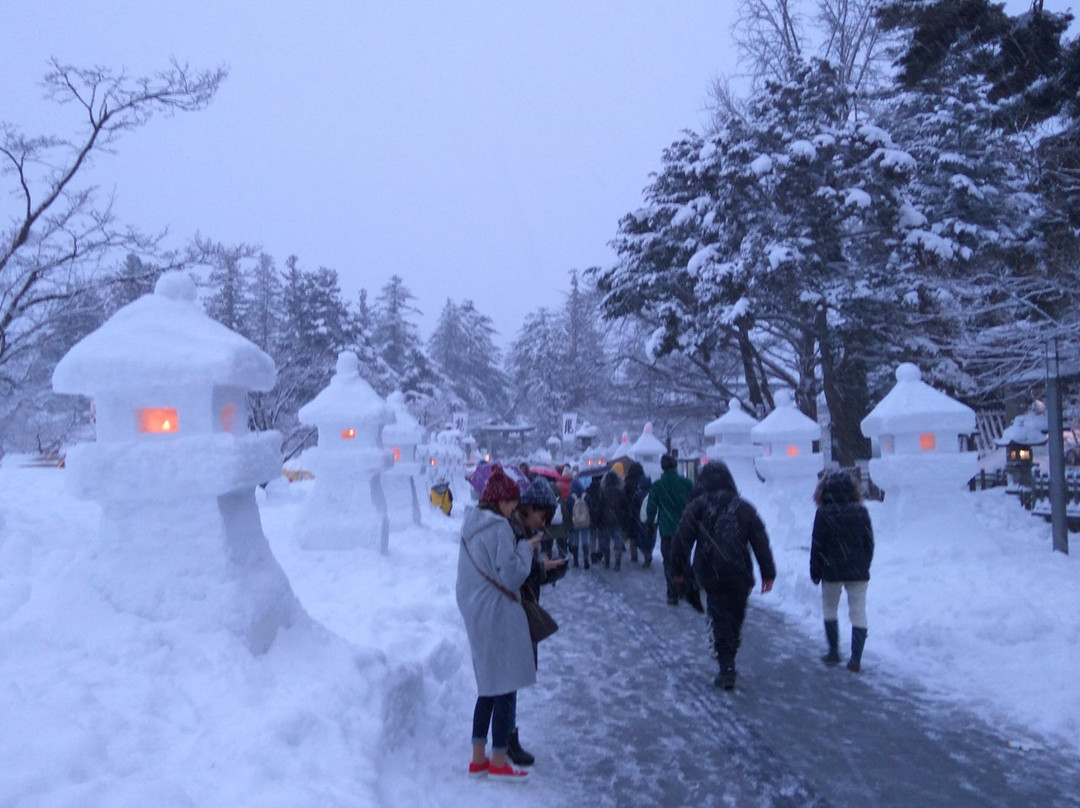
[492,566]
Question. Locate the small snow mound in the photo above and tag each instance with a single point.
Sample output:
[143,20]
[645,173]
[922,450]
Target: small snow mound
[908,372]
[176,286]
[347,364]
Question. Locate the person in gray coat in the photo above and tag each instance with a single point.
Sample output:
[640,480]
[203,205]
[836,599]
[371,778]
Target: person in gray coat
[492,566]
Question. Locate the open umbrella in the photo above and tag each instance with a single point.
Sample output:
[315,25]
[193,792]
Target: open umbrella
[480,476]
[552,474]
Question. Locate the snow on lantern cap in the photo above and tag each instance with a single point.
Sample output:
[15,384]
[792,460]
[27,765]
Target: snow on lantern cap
[648,445]
[914,406]
[163,340]
[347,399]
[406,430]
[785,423]
[735,420]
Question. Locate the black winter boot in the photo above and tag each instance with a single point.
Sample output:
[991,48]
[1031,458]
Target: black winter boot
[517,755]
[832,634]
[858,640]
[574,555]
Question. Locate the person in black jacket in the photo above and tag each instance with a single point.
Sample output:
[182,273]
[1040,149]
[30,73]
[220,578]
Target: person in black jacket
[614,517]
[841,550]
[725,529]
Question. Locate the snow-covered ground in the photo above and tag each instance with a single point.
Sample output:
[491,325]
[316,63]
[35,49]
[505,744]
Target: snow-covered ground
[368,702]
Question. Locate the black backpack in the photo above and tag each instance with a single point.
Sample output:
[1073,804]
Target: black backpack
[721,553]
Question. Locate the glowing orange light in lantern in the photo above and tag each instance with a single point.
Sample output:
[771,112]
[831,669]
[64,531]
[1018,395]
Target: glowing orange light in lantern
[927,441]
[348,434]
[434,462]
[157,419]
[397,453]
[228,417]
[792,451]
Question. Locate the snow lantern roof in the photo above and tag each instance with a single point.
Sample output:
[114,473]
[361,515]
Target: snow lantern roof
[406,429]
[163,338]
[648,444]
[914,406]
[736,419]
[785,423]
[587,430]
[1029,429]
[347,396]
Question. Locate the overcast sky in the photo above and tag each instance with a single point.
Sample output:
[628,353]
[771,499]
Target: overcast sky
[479,149]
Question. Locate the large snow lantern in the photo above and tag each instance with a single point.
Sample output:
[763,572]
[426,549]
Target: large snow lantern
[647,450]
[787,441]
[400,482]
[919,431]
[175,467]
[732,444]
[347,507]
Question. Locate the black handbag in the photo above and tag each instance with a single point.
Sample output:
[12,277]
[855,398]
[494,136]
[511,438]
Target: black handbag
[541,624]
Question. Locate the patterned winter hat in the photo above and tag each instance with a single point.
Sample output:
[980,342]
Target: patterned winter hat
[539,495]
[499,487]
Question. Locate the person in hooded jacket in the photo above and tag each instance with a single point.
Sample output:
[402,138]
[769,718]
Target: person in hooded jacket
[841,549]
[637,485]
[724,529]
[614,518]
[492,566]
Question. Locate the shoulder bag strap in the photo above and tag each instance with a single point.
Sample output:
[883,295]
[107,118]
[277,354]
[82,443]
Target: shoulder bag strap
[487,577]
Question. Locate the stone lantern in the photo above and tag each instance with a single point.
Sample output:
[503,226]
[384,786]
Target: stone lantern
[732,444]
[1019,439]
[347,507]
[787,441]
[647,451]
[175,467]
[919,431]
[401,481]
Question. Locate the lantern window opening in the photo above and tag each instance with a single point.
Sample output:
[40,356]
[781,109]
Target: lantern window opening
[792,450]
[157,420]
[348,433]
[927,441]
[397,453]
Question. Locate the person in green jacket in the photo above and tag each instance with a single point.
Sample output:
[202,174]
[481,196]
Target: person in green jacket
[667,499]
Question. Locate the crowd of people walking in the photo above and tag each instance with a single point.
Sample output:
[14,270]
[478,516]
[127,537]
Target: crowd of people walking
[522,536]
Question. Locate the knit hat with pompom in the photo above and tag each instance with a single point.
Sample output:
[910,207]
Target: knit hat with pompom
[499,486]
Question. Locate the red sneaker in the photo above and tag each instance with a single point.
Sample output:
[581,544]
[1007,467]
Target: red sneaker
[479,769]
[507,773]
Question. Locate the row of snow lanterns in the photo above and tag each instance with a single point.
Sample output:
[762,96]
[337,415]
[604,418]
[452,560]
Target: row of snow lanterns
[914,420]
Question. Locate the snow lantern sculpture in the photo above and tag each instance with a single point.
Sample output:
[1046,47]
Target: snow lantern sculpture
[787,441]
[732,444]
[647,451]
[401,482]
[918,430]
[347,507]
[446,464]
[175,468]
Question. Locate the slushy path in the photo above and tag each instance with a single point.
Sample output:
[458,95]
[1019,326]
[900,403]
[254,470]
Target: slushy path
[625,714]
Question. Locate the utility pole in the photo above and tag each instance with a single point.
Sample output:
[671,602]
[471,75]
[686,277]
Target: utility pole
[1058,520]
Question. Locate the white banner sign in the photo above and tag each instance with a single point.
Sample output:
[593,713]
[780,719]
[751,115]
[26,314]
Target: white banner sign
[569,425]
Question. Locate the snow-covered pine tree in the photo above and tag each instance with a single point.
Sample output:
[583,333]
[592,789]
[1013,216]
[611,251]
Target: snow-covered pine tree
[462,348]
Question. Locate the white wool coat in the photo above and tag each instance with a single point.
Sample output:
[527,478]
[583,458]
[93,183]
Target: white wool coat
[502,651]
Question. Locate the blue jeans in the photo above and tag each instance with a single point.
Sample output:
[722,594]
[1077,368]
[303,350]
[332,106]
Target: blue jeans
[611,535]
[499,712]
